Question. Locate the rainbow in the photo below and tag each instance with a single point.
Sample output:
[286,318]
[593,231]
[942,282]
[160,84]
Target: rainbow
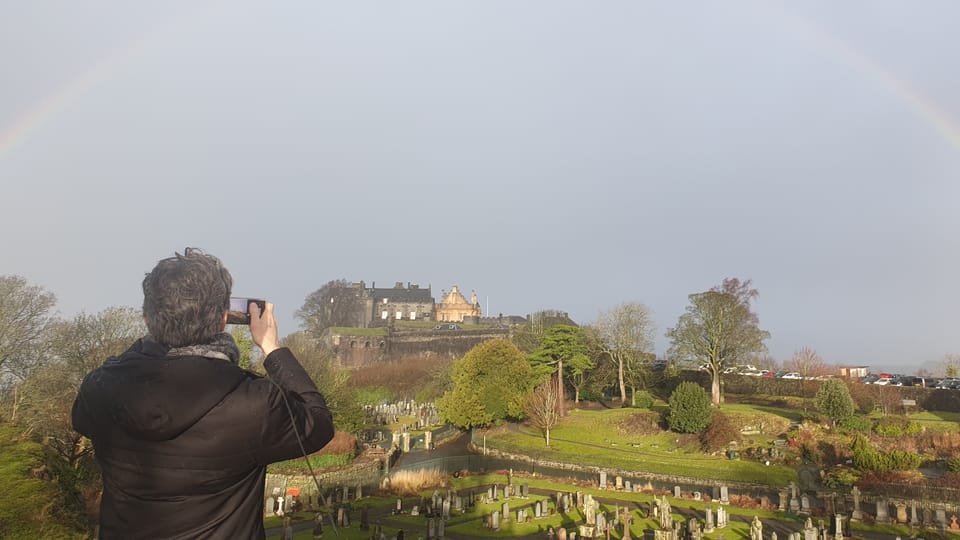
[923,107]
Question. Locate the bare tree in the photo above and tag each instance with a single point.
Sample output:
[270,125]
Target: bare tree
[624,334]
[337,303]
[542,407]
[808,364]
[950,365]
[76,347]
[26,313]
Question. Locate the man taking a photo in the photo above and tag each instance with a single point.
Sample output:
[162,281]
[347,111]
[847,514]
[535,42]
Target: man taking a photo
[182,434]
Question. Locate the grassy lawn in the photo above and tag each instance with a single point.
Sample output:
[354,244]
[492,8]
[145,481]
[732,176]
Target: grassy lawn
[596,434]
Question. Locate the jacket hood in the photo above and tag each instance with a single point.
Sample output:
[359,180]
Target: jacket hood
[153,396]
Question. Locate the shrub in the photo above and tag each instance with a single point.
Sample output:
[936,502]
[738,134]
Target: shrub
[721,432]
[641,423]
[642,399]
[690,409]
[840,477]
[856,423]
[833,400]
[953,464]
[868,458]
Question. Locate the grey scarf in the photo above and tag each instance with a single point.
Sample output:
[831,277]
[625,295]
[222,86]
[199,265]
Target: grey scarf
[221,347]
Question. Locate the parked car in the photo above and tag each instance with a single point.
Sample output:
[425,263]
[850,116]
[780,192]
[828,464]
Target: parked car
[792,375]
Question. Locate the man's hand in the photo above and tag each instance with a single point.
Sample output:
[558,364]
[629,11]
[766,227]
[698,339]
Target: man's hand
[263,328]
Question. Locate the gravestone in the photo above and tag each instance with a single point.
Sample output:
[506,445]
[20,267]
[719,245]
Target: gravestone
[445,512]
[838,526]
[561,534]
[440,532]
[603,480]
[346,494]
[415,511]
[708,520]
[507,492]
[268,506]
[697,496]
[941,517]
[618,482]
[756,529]
[495,520]
[406,443]
[882,515]
[627,520]
[721,517]
[458,503]
[809,531]
[857,513]
[537,510]
[676,491]
[954,526]
[901,512]
[431,528]
[428,440]
[783,501]
[489,494]
[693,529]
[794,500]
[505,512]
[524,490]
[601,522]
[628,487]
[587,531]
[724,495]
[914,516]
[805,504]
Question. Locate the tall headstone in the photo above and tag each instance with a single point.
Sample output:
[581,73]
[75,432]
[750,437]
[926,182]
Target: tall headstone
[505,512]
[626,518]
[794,500]
[804,504]
[440,532]
[268,506]
[721,517]
[809,531]
[783,500]
[406,442]
[942,517]
[676,491]
[431,528]
[495,520]
[756,529]
[561,534]
[708,520]
[857,513]
[724,495]
[428,439]
[914,516]
[838,526]
[618,483]
[603,479]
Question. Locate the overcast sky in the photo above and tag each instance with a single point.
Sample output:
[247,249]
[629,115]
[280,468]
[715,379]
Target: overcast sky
[566,155]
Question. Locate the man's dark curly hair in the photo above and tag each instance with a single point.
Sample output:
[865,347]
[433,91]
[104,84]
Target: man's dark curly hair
[185,297]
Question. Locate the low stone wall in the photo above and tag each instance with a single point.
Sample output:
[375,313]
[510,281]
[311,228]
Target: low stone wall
[365,472]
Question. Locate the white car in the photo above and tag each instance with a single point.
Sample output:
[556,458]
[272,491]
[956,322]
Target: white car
[792,375]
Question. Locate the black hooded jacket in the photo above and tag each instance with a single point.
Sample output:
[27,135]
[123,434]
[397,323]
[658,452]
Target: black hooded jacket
[183,442]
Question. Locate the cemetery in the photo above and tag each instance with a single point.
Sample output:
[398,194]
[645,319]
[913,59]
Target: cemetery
[468,497]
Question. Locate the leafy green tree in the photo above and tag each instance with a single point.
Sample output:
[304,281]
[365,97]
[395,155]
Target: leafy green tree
[718,329]
[559,343]
[579,367]
[690,410]
[527,336]
[833,400]
[624,334]
[489,384]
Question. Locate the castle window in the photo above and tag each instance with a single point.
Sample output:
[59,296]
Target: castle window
[413,315]
[384,315]
[399,315]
